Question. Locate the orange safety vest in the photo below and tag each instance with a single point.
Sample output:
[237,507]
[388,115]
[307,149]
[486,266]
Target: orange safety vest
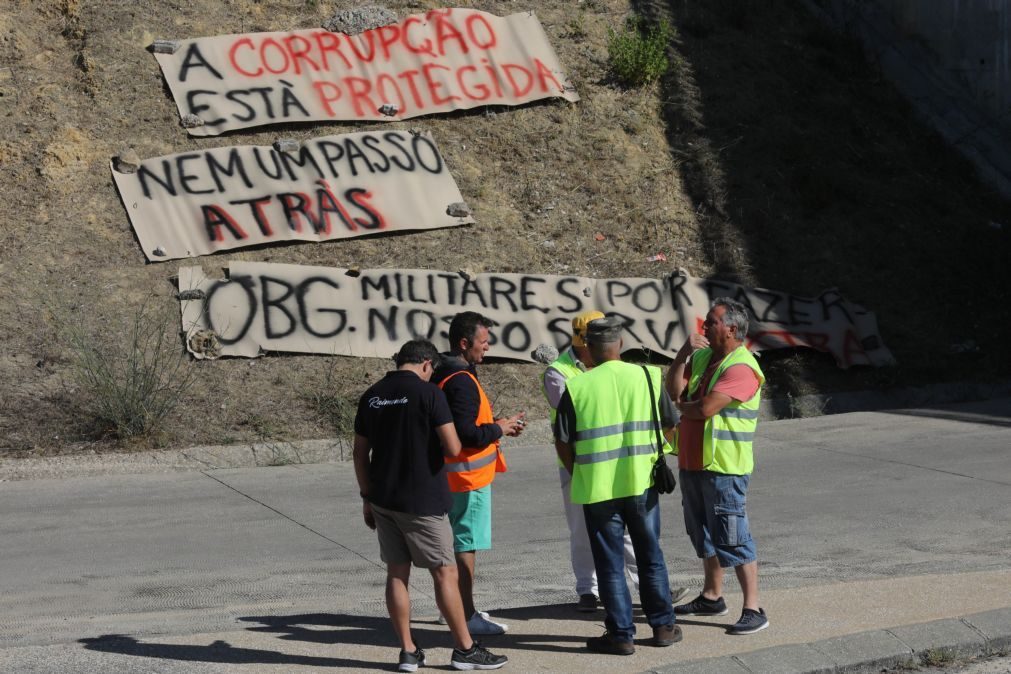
[475,467]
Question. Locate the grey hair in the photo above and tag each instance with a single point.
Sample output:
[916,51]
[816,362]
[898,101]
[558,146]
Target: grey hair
[736,315]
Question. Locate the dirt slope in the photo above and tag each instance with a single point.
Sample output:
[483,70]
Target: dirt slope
[772,153]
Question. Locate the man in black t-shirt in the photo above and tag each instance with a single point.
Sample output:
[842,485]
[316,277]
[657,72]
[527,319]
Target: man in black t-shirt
[403,429]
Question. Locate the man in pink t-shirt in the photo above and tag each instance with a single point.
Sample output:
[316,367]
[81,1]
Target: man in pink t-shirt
[714,495]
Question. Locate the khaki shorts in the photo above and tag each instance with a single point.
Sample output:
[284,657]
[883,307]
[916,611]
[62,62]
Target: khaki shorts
[424,540]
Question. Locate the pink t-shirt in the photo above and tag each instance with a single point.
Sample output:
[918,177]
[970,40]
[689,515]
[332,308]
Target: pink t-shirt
[737,381]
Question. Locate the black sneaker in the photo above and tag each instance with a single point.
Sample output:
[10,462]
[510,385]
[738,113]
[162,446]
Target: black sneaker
[409,662]
[478,657]
[610,645]
[751,621]
[587,603]
[702,606]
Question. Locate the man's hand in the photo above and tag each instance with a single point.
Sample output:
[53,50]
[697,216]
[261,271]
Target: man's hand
[370,520]
[696,341]
[514,425]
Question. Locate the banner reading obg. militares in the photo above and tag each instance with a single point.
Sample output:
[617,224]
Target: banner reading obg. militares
[279,307]
[445,59]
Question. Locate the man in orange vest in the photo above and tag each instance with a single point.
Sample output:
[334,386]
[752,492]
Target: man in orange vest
[471,473]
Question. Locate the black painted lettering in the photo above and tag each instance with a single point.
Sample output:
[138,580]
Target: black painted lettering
[435,159]
[303,309]
[238,96]
[395,139]
[421,323]
[166,181]
[471,288]
[641,296]
[516,337]
[234,167]
[373,143]
[244,282]
[195,59]
[526,293]
[196,109]
[305,157]
[504,288]
[380,284]
[388,323]
[562,288]
[186,178]
[270,303]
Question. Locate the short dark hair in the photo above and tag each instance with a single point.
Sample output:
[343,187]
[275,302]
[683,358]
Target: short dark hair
[464,326]
[417,351]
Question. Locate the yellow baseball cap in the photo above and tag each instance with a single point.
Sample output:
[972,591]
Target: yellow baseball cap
[579,324]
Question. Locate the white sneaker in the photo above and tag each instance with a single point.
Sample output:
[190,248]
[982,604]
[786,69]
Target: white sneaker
[483,614]
[479,625]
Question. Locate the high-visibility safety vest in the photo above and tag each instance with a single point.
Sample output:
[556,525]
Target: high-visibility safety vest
[728,436]
[475,467]
[615,441]
[568,367]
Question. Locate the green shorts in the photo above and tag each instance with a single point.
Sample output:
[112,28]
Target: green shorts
[470,517]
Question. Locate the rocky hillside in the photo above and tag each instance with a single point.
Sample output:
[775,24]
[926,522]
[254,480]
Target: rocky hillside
[771,153]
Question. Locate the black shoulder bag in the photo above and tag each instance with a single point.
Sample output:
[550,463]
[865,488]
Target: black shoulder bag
[663,476]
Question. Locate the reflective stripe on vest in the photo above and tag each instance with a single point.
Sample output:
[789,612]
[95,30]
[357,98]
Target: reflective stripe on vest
[592,433]
[614,439]
[474,467]
[728,436]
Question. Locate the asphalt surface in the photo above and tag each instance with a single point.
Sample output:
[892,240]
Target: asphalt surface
[884,538]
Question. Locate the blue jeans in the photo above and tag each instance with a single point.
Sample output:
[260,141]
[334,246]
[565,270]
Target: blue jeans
[606,522]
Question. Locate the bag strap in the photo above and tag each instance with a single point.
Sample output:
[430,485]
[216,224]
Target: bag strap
[652,409]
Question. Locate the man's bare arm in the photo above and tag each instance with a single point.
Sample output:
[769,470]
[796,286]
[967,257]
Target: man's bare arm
[450,440]
[708,407]
[360,454]
[675,383]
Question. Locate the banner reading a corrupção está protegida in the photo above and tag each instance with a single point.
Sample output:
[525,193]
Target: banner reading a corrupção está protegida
[275,307]
[445,59]
[334,187]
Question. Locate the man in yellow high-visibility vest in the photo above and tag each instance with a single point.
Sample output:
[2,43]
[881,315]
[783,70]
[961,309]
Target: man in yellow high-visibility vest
[717,384]
[606,435]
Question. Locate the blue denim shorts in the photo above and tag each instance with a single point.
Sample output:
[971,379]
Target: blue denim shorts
[716,516]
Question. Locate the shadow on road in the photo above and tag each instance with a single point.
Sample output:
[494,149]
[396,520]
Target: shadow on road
[339,628]
[218,651]
[990,419]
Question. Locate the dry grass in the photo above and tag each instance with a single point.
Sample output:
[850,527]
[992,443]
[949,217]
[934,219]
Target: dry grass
[770,152]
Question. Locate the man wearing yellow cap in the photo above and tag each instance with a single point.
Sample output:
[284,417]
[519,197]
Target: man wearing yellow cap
[574,361]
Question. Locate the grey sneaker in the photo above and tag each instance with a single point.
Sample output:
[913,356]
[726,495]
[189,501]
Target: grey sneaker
[751,621]
[702,606]
[679,593]
[409,662]
[478,657]
[478,625]
[483,614]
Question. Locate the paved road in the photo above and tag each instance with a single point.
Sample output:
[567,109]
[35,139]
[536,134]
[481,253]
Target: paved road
[864,521]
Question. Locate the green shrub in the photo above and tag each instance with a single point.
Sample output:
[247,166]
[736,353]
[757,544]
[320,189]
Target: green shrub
[131,380]
[638,54]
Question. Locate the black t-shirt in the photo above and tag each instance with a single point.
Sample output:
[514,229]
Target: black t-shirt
[399,415]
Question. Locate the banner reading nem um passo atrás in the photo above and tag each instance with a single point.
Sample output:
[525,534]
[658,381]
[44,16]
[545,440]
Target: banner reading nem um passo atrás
[445,59]
[276,307]
[334,187]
